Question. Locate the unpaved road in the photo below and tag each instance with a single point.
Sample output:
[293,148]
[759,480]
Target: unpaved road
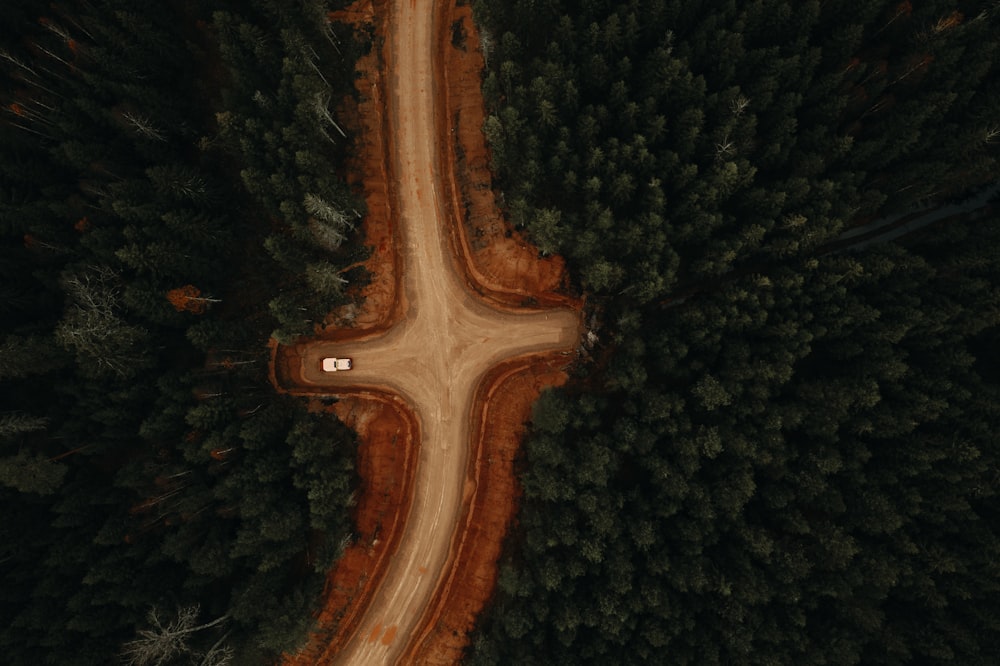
[437,355]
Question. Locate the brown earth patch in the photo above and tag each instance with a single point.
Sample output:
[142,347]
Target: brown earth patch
[498,262]
[502,409]
[385,425]
[388,432]
[368,173]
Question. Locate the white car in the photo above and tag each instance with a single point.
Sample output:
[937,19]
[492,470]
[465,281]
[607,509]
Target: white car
[336,364]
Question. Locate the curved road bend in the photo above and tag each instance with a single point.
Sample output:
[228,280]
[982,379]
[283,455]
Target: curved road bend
[436,356]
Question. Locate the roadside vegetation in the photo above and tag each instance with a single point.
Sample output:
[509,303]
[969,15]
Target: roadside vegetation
[780,450]
[169,200]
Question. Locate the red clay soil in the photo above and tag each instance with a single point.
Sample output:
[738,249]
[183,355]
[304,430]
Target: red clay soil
[503,266]
[385,425]
[499,265]
[503,404]
[387,430]
[368,173]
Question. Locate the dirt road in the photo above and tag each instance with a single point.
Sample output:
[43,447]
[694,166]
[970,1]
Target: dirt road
[437,356]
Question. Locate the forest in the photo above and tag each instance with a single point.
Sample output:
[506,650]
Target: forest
[172,196]
[782,448]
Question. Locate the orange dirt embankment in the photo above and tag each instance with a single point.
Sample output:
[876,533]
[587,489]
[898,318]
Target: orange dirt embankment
[386,426]
[499,265]
[496,260]
[503,404]
[388,432]
[368,173]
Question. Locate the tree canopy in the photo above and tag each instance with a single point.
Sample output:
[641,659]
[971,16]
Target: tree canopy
[154,237]
[781,448]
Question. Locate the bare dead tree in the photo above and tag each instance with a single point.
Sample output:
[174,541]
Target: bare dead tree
[724,148]
[325,279]
[57,29]
[331,36]
[92,325]
[321,106]
[311,57]
[144,127]
[323,210]
[486,45]
[739,105]
[167,640]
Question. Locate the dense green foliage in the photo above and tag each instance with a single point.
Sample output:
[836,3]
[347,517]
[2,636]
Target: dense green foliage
[167,201]
[782,453]
[658,142]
